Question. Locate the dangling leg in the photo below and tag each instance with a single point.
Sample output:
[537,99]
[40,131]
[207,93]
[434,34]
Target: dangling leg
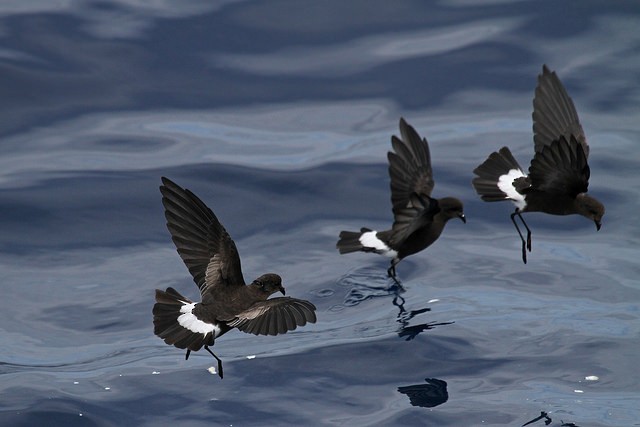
[526,244]
[528,232]
[217,358]
[187,355]
[391,271]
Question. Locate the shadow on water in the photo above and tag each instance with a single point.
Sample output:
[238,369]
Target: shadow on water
[428,395]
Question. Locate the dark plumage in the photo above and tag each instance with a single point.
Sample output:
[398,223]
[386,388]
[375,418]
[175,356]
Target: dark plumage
[559,173]
[212,259]
[418,218]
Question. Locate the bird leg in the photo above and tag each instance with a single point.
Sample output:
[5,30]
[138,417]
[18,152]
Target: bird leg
[217,358]
[186,357]
[391,271]
[526,244]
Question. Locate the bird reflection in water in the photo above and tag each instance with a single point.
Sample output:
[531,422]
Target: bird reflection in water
[404,316]
[365,283]
[547,421]
[428,395]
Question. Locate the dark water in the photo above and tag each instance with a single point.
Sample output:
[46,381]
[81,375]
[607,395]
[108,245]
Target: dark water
[278,114]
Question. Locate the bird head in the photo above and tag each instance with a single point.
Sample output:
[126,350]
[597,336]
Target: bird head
[590,208]
[269,283]
[451,207]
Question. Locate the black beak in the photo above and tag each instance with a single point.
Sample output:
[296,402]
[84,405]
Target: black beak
[463,218]
[598,224]
[282,290]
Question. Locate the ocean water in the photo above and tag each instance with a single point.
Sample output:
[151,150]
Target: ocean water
[278,114]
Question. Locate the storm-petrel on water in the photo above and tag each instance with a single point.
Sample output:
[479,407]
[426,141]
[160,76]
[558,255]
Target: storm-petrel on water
[559,173]
[418,218]
[212,259]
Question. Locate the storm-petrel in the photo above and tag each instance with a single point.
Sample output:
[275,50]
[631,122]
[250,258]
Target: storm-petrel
[212,259]
[559,173]
[418,218]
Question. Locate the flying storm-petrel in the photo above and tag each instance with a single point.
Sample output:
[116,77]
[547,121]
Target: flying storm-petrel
[418,218]
[559,173]
[212,259]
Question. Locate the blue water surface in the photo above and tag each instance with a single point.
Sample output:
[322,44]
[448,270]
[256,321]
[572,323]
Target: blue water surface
[278,114]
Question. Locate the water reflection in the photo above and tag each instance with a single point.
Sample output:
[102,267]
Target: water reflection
[368,283]
[404,316]
[547,421]
[428,395]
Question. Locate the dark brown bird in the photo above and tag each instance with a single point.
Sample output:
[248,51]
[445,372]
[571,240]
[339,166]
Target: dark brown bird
[559,173]
[212,259]
[418,218]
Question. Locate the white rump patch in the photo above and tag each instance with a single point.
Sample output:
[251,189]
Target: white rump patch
[189,321]
[505,184]
[370,240]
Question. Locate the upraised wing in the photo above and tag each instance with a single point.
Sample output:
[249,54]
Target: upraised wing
[202,242]
[554,114]
[409,166]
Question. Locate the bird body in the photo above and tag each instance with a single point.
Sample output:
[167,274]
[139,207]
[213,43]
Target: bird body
[558,177]
[418,218]
[212,258]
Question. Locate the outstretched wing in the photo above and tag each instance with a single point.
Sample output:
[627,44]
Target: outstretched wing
[560,168]
[202,242]
[554,114]
[418,213]
[409,166]
[275,316]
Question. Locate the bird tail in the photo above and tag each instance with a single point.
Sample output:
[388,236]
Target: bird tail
[350,241]
[353,241]
[500,163]
[166,312]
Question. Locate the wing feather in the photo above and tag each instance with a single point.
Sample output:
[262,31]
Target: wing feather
[561,168]
[409,166]
[418,213]
[554,114]
[275,316]
[202,242]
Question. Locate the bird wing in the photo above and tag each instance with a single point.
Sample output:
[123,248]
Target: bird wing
[202,242]
[274,316]
[560,168]
[409,166]
[554,114]
[418,213]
